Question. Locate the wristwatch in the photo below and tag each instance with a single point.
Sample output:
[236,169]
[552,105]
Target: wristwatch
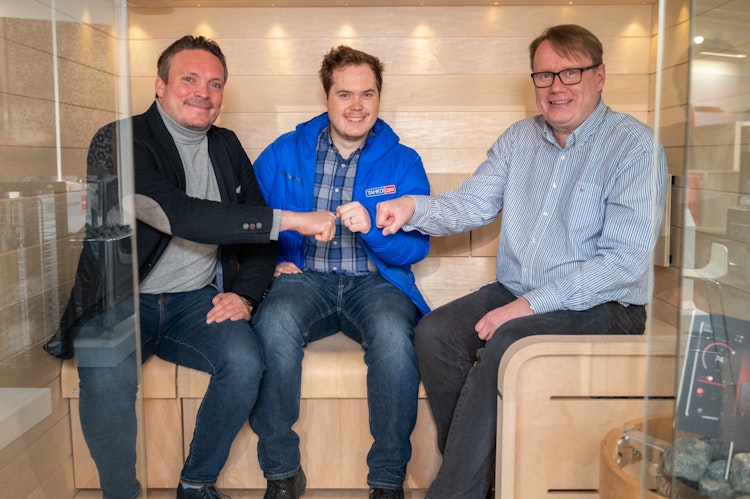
[250,302]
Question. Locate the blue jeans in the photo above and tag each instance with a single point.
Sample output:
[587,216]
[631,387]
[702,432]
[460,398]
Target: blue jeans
[301,308]
[459,372]
[173,326]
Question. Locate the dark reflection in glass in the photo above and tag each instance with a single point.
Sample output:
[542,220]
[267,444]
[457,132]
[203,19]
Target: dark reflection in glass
[98,325]
[198,276]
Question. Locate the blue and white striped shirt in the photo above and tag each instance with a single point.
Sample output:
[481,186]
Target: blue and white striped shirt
[579,223]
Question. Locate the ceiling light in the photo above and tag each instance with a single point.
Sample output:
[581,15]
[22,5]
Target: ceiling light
[724,54]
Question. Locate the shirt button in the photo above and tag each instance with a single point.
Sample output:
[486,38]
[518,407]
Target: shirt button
[524,270]
[562,157]
[554,186]
[533,241]
[544,214]
[335,243]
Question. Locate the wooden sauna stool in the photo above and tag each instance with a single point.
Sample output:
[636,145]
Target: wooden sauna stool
[162,421]
[562,394]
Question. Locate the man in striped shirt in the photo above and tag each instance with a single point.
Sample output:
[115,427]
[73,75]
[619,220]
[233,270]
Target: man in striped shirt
[581,189]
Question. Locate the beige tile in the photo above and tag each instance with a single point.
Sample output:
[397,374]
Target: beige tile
[30,122]
[79,124]
[35,33]
[29,71]
[87,87]
[87,44]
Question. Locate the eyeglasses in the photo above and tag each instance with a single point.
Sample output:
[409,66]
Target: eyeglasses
[570,76]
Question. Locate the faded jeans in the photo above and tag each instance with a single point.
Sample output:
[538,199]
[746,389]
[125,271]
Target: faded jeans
[301,308]
[173,326]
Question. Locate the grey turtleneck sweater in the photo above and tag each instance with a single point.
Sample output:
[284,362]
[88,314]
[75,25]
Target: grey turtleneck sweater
[187,265]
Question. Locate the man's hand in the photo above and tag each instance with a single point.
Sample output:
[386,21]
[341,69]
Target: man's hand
[493,319]
[355,217]
[228,306]
[286,268]
[321,224]
[391,215]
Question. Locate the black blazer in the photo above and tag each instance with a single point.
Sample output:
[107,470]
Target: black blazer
[240,224]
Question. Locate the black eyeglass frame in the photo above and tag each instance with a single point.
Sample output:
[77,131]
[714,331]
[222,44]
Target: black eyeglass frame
[552,80]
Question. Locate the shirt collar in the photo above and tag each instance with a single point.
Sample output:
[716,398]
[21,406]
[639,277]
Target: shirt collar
[326,133]
[585,130]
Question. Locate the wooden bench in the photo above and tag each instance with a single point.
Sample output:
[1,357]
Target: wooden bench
[561,395]
[333,423]
[333,407]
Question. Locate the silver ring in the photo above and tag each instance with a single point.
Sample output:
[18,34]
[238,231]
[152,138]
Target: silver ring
[351,220]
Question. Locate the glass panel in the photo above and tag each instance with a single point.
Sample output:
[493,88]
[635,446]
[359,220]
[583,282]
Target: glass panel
[713,409]
[65,260]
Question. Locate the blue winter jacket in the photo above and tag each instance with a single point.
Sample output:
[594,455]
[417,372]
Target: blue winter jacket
[386,170]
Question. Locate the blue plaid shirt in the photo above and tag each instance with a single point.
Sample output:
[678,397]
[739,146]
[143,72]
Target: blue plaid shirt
[334,183]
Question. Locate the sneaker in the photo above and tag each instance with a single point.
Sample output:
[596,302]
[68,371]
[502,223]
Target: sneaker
[289,488]
[205,492]
[386,494]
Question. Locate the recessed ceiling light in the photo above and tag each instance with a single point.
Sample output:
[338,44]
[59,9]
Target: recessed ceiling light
[725,54]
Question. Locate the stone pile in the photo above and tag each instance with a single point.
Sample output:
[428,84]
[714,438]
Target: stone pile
[701,464]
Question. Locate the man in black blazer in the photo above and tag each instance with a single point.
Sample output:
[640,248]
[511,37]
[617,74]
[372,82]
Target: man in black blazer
[206,253]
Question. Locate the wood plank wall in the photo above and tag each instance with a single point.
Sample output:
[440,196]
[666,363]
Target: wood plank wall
[455,77]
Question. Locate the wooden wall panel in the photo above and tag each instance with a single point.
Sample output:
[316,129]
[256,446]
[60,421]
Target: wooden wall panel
[375,22]
[497,54]
[455,77]
[402,93]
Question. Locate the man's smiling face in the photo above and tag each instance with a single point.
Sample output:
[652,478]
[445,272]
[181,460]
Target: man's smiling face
[565,107]
[195,90]
[353,103]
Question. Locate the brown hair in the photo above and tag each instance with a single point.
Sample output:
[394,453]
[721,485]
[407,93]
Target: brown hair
[188,42]
[346,56]
[568,40]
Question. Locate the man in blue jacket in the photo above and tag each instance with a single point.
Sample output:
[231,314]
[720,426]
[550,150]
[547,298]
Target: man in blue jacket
[360,282]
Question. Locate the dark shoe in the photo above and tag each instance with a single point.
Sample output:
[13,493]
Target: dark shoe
[289,488]
[205,492]
[386,494]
